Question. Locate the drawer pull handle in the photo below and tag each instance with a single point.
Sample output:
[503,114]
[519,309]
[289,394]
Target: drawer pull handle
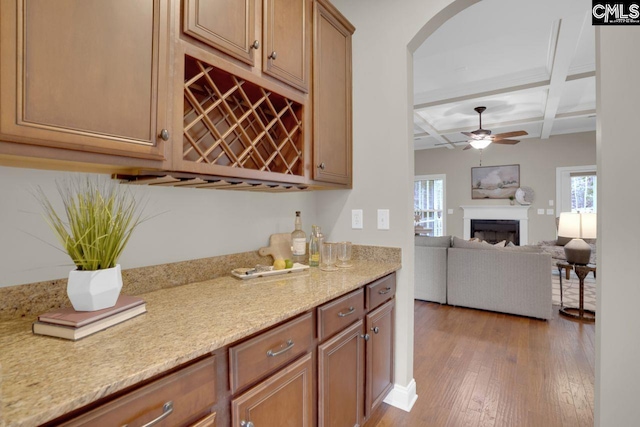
[167,409]
[272,353]
[351,311]
[385,291]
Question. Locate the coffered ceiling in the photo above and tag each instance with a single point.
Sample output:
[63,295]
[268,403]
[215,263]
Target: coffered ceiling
[531,63]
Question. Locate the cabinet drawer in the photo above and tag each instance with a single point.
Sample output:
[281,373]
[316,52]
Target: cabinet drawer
[338,314]
[261,355]
[380,291]
[191,391]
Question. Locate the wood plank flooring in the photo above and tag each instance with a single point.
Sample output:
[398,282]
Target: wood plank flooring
[478,368]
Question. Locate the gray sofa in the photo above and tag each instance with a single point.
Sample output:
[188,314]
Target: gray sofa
[478,275]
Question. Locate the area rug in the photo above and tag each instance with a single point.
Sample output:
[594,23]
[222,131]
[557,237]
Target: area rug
[571,290]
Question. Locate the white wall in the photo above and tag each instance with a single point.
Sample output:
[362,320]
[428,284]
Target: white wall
[190,224]
[618,289]
[383,152]
[538,160]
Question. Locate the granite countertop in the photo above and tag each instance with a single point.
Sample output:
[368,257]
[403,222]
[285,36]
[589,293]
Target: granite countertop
[42,378]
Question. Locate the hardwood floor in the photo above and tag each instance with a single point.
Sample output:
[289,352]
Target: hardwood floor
[478,368]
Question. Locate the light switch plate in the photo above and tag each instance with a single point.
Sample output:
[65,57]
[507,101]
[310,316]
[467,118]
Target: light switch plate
[550,202]
[383,219]
[540,211]
[550,212]
[450,211]
[356,219]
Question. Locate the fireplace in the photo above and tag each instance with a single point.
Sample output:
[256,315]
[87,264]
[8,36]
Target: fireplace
[498,212]
[496,230]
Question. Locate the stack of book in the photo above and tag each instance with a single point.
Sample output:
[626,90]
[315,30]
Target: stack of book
[73,325]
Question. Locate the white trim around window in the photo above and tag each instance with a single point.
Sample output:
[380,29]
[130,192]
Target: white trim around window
[443,177]
[563,185]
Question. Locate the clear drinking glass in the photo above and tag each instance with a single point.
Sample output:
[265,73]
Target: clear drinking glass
[329,255]
[344,254]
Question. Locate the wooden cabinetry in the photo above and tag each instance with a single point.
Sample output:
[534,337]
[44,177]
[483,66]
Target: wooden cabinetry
[332,134]
[341,378]
[285,43]
[379,376]
[283,400]
[85,75]
[184,398]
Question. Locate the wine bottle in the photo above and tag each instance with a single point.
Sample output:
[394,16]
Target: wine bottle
[298,241]
[314,247]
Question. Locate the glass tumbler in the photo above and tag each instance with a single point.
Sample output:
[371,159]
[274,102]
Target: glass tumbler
[344,254]
[329,256]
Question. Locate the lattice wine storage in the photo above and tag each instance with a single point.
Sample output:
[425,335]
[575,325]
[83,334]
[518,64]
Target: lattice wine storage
[235,123]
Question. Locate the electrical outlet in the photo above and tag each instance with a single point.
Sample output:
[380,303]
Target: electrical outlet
[450,211]
[356,219]
[383,219]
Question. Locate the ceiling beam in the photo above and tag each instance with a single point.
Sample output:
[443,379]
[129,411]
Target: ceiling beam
[419,121]
[568,38]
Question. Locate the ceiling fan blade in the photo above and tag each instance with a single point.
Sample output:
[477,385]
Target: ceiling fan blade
[505,135]
[505,141]
[467,147]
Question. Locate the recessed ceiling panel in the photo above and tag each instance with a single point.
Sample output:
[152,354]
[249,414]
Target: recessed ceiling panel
[574,125]
[578,95]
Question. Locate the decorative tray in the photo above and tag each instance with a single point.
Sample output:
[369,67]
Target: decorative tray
[251,273]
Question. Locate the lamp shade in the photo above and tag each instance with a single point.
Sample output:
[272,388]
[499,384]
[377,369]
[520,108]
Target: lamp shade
[577,225]
[480,143]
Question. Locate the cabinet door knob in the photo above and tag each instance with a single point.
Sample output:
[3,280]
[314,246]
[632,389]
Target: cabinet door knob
[273,55]
[321,166]
[164,134]
[255,45]
[365,336]
[244,423]
[375,329]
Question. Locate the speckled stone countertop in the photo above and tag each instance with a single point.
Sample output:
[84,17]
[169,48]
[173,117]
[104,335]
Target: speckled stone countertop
[42,378]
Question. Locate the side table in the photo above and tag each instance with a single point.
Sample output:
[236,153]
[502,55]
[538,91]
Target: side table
[577,312]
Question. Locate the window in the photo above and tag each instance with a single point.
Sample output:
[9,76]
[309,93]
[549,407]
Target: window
[429,205]
[583,192]
[576,189]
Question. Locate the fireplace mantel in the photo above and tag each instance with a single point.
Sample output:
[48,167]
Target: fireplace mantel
[520,213]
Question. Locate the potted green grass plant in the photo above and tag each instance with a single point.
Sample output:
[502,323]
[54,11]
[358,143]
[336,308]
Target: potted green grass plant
[98,219]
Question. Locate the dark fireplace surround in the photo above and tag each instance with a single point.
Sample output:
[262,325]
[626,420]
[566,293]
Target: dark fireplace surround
[496,230]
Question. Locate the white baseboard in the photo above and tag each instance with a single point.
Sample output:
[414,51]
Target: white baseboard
[402,397]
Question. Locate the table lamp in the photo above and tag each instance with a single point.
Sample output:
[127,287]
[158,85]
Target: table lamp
[577,226]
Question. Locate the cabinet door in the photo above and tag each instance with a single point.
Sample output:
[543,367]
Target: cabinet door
[331,96]
[84,75]
[287,41]
[379,355]
[283,400]
[227,25]
[341,379]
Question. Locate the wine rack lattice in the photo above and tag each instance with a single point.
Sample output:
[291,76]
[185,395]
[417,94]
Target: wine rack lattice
[232,122]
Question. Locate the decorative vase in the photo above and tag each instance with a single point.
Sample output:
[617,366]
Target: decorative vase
[94,290]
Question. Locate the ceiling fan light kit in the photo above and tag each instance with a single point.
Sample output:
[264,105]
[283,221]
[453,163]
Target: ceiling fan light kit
[481,138]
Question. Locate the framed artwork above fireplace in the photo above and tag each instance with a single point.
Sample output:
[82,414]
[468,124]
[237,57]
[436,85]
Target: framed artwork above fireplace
[495,182]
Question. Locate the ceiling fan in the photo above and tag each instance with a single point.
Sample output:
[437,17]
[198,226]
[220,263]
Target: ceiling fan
[481,138]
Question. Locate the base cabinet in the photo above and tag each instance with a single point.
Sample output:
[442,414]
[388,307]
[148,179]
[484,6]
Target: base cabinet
[379,378]
[341,379]
[283,400]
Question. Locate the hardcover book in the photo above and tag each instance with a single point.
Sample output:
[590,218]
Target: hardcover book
[73,325]
[70,317]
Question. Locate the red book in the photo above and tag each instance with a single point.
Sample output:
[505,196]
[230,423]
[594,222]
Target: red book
[69,317]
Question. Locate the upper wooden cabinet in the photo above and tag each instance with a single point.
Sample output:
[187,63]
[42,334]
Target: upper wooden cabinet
[284,46]
[85,75]
[332,135]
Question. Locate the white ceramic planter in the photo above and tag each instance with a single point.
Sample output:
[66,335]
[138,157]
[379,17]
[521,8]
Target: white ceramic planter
[94,290]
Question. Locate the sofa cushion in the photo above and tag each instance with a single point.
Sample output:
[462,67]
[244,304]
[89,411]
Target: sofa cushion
[434,242]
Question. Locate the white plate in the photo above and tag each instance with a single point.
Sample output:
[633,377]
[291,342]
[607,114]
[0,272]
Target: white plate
[241,273]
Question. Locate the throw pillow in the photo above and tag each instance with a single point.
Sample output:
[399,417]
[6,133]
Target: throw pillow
[465,244]
[501,244]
